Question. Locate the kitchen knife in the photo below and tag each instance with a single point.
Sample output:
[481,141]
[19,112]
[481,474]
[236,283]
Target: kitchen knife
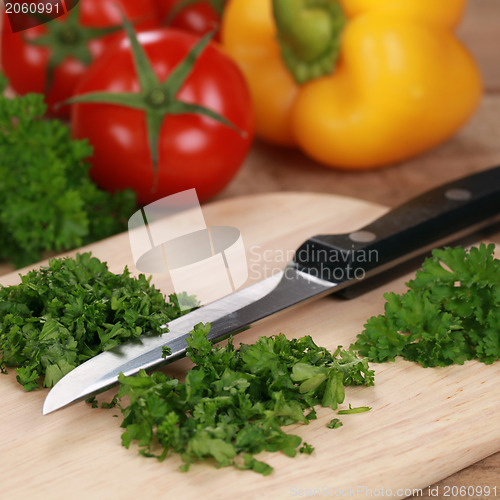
[323,264]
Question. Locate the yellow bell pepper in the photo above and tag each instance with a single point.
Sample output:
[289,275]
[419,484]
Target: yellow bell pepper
[354,83]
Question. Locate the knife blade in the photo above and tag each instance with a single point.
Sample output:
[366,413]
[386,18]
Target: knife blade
[322,265]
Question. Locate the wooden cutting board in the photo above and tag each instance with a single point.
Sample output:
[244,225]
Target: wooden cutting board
[425,423]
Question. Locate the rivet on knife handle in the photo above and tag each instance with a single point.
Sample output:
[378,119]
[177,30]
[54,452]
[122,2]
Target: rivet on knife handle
[431,219]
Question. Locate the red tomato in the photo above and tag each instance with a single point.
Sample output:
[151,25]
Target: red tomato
[27,65]
[200,17]
[194,151]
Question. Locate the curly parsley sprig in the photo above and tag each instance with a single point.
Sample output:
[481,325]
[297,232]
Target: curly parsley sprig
[448,315]
[49,202]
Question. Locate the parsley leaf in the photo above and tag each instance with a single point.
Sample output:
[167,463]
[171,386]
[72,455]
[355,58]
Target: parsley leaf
[233,404]
[335,423]
[49,202]
[352,411]
[448,315]
[63,314]
[306,448]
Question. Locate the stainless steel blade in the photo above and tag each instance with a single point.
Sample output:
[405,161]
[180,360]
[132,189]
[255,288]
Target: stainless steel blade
[228,315]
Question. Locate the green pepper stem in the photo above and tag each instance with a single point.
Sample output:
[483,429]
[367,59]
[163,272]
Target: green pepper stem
[309,34]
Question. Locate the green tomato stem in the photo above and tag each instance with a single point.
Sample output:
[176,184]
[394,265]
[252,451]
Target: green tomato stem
[157,97]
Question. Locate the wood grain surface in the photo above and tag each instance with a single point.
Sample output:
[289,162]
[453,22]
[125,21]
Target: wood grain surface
[425,423]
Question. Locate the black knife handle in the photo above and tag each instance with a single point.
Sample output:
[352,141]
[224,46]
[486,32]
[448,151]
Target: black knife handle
[427,221]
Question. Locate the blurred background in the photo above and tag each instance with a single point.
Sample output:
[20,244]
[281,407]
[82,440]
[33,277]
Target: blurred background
[475,147]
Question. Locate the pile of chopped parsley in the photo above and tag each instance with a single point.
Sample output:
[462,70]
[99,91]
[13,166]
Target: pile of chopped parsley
[234,402]
[63,314]
[449,314]
[49,202]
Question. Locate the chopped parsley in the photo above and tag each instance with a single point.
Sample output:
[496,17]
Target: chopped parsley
[352,411]
[49,202]
[306,448]
[165,351]
[448,315]
[334,424]
[233,404]
[63,314]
